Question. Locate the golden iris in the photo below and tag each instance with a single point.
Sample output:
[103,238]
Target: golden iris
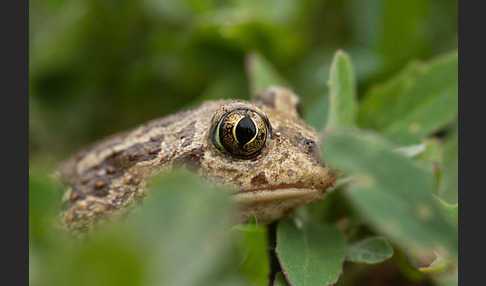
[241,132]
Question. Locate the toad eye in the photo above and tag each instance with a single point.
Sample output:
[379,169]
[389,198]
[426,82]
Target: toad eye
[241,132]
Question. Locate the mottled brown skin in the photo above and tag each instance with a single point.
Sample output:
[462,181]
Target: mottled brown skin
[104,180]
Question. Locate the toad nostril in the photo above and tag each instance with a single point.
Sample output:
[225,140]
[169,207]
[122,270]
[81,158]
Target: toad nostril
[312,149]
[310,144]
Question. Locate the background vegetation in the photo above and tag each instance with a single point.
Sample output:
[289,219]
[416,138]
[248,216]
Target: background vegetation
[388,105]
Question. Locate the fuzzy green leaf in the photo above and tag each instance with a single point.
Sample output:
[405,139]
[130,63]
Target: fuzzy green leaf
[411,151]
[342,87]
[311,253]
[370,250]
[192,218]
[180,236]
[391,191]
[449,186]
[451,210]
[419,101]
[432,158]
[253,249]
[432,152]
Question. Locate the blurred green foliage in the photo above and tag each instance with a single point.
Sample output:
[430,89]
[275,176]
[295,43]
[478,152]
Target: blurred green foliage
[370,250]
[414,104]
[102,66]
[342,89]
[181,236]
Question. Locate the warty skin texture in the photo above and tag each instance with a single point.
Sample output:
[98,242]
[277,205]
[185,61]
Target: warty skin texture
[104,180]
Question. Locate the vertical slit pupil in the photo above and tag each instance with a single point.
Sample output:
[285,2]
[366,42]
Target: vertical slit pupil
[245,130]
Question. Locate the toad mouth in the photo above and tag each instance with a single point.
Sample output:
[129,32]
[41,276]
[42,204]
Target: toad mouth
[279,193]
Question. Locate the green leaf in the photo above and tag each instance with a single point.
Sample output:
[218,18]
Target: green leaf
[342,87]
[432,158]
[432,152]
[311,253]
[253,249]
[411,151]
[186,221]
[391,191]
[419,101]
[451,210]
[429,153]
[370,250]
[451,282]
[449,186]
[105,259]
[262,74]
[179,236]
